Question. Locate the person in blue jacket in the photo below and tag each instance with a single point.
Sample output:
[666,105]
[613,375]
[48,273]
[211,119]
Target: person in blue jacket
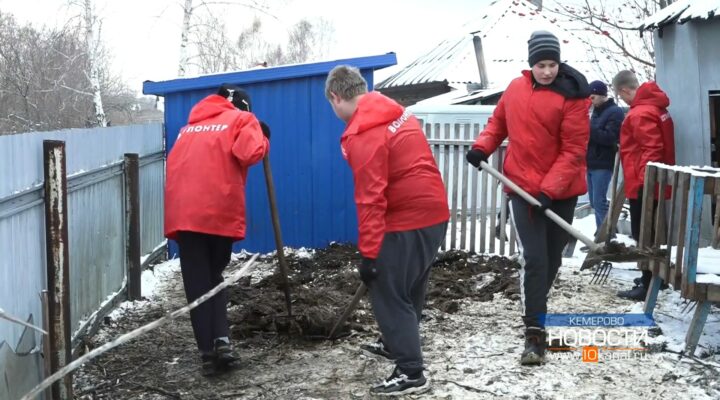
[605,123]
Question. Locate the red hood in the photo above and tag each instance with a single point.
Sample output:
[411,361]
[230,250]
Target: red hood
[373,109]
[650,94]
[209,107]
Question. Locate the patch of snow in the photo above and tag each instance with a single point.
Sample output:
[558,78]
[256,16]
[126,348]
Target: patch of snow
[152,279]
[158,247]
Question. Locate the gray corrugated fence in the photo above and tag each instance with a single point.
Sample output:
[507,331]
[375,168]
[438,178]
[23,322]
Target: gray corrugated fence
[96,226]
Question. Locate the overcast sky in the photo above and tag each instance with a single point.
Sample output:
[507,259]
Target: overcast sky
[143,36]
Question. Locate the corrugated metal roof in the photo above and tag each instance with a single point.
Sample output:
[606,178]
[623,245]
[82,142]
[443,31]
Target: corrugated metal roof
[264,74]
[681,12]
[504,28]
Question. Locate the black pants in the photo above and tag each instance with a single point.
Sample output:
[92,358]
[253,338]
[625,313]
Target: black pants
[635,216]
[541,243]
[203,258]
[398,294]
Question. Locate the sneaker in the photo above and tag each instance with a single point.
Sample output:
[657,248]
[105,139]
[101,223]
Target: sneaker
[209,367]
[224,354]
[663,285]
[534,353]
[377,349]
[638,293]
[399,384]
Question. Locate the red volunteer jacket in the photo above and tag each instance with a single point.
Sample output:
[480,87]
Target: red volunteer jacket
[207,168]
[548,139]
[398,186]
[647,134]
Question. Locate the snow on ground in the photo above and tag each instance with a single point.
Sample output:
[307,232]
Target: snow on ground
[472,354]
[153,278]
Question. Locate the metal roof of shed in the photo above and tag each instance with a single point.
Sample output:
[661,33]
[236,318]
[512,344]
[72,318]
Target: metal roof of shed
[264,74]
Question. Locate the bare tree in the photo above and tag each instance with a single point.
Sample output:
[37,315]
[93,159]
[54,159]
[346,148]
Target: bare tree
[92,45]
[307,40]
[189,26]
[184,37]
[615,24]
[44,82]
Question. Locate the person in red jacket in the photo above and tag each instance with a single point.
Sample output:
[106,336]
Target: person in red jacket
[402,216]
[205,207]
[544,116]
[647,134]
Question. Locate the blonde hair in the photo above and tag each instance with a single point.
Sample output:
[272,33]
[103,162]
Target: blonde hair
[625,79]
[346,82]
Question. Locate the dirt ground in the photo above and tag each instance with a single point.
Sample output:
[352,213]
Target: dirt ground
[472,341]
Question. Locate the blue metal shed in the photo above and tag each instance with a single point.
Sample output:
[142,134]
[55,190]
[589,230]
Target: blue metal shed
[313,183]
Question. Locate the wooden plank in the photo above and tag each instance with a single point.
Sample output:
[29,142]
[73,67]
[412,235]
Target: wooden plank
[454,153]
[484,189]
[494,185]
[716,218]
[683,184]
[713,293]
[445,149]
[647,206]
[646,218]
[503,204]
[473,203]
[464,189]
[668,269]
[503,222]
[696,327]
[692,234]
[608,225]
[613,216]
[651,296]
[513,236]
[659,219]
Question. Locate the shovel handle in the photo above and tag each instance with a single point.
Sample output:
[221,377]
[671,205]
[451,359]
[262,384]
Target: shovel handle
[359,293]
[278,232]
[534,202]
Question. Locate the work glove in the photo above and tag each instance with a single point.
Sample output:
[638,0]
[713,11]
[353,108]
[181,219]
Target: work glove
[265,129]
[368,271]
[545,202]
[474,157]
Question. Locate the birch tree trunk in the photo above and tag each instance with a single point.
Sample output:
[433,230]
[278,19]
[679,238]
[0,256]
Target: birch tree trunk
[93,65]
[184,38]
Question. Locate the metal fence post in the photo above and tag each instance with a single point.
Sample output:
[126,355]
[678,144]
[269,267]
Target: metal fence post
[58,263]
[47,368]
[132,226]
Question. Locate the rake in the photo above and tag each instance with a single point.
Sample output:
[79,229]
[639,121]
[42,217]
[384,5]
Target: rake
[598,252]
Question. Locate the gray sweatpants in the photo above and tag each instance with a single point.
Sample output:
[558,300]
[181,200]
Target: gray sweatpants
[398,293]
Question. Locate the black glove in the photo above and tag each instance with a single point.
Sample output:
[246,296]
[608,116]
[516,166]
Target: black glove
[368,271]
[474,157]
[545,202]
[265,129]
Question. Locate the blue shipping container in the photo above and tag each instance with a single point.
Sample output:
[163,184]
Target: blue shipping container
[313,183]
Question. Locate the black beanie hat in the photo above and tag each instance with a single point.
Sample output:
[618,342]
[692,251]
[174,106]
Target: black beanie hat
[543,45]
[237,96]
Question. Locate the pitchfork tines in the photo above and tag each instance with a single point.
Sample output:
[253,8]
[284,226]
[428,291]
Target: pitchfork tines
[602,272]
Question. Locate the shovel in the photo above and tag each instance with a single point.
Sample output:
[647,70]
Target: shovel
[278,233]
[359,293]
[610,251]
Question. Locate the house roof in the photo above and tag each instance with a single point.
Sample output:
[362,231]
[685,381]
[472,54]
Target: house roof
[504,28]
[264,74]
[681,12]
